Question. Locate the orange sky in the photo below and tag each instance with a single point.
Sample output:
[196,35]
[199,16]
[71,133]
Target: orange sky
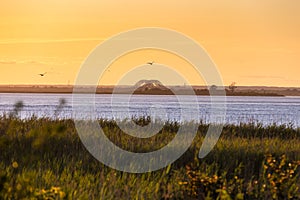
[251,42]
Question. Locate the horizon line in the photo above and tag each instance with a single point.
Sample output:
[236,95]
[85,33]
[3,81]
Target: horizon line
[130,85]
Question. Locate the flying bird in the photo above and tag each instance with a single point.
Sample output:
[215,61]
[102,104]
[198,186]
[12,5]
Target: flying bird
[150,63]
[43,74]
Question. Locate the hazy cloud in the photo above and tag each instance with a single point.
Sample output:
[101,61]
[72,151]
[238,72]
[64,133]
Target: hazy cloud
[8,62]
[34,41]
[14,62]
[262,77]
[34,62]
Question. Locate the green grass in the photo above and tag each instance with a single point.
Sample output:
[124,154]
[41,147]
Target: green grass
[45,159]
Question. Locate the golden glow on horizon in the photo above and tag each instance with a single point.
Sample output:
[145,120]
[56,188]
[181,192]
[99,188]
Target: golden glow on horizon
[252,42]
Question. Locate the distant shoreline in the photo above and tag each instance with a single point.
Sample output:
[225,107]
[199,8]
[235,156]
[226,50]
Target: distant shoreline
[181,90]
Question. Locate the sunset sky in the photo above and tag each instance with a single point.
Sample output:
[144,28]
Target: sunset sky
[252,42]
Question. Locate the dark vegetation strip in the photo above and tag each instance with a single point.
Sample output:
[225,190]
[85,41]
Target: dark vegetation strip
[44,158]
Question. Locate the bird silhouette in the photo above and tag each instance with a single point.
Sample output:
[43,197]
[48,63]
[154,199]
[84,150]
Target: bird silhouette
[150,63]
[43,74]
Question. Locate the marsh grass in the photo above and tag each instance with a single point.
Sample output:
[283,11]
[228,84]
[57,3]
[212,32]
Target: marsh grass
[43,158]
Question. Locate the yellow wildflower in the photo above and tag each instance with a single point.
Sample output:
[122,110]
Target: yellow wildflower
[55,190]
[15,165]
[62,194]
[19,186]
[182,183]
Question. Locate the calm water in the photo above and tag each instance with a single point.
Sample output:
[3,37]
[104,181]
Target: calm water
[266,110]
